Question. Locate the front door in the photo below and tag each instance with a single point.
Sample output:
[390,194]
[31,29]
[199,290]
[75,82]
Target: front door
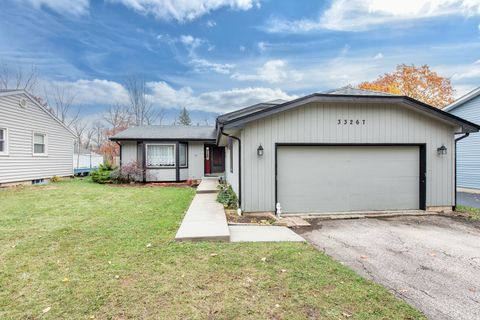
[208,168]
[214,159]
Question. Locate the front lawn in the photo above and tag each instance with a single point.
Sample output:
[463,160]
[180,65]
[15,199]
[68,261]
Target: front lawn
[78,250]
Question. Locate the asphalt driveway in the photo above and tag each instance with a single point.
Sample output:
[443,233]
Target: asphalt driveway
[431,262]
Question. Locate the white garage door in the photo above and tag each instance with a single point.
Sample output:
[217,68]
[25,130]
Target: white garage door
[316,179]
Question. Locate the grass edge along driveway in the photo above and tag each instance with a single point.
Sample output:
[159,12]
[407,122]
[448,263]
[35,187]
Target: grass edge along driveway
[78,250]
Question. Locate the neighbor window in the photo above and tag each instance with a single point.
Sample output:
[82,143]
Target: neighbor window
[183,150]
[160,155]
[39,143]
[3,141]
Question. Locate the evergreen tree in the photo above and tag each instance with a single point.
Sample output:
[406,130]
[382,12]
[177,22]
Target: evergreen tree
[184,118]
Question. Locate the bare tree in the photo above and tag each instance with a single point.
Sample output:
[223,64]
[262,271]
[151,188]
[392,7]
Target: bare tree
[17,78]
[140,109]
[79,127]
[117,116]
[61,103]
[99,135]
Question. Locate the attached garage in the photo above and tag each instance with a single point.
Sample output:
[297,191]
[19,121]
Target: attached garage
[339,178]
[345,150]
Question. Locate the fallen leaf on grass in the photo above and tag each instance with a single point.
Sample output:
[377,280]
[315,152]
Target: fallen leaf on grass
[213,254]
[277,306]
[284,270]
[264,259]
[92,317]
[65,279]
[46,309]
[117,276]
[149,245]
[346,314]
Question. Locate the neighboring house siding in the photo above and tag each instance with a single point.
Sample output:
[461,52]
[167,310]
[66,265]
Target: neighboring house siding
[232,177]
[317,123]
[20,164]
[468,149]
[195,162]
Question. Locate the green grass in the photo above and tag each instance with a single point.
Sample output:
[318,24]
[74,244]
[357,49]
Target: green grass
[81,249]
[472,213]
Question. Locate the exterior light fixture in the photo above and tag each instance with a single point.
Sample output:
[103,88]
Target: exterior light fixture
[260,151]
[442,150]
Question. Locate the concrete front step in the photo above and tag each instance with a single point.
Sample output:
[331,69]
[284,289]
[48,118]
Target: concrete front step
[208,185]
[204,221]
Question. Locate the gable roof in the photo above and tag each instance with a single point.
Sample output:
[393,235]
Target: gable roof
[346,95]
[463,99]
[11,92]
[159,132]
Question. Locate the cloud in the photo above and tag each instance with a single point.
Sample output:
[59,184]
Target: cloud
[73,7]
[184,10]
[272,71]
[191,41]
[211,23]
[163,95]
[96,91]
[378,56]
[360,15]
[202,65]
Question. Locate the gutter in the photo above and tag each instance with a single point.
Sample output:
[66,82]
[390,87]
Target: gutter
[456,140]
[239,164]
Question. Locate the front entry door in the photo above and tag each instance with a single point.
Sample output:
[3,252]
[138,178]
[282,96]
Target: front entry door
[208,168]
[214,159]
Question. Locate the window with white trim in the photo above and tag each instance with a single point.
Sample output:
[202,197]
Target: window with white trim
[183,154]
[3,141]
[160,155]
[39,143]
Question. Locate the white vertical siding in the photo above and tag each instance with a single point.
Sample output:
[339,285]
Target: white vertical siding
[468,149]
[20,164]
[195,160]
[317,123]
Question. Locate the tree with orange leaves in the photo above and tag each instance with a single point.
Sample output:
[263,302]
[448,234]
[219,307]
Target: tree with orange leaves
[419,83]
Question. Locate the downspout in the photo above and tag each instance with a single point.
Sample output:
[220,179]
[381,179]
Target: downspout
[239,165]
[456,140]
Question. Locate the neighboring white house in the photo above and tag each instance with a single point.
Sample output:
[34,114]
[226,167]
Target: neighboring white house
[340,151]
[34,144]
[468,150]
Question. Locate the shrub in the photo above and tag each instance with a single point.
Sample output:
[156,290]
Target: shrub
[102,174]
[130,172]
[55,179]
[227,196]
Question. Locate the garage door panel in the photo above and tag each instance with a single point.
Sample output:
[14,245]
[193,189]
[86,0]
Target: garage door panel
[347,178]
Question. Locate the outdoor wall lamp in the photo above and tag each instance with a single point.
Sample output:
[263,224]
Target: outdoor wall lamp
[260,150]
[442,150]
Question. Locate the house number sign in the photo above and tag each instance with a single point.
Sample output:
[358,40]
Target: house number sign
[351,121]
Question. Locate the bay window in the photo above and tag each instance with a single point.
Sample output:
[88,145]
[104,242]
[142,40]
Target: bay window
[183,150]
[160,155]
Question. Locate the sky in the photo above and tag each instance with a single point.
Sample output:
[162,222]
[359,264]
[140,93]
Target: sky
[215,56]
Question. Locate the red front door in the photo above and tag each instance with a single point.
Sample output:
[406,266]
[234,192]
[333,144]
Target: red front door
[208,167]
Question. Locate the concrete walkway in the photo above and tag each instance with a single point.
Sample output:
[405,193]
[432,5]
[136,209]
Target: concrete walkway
[263,234]
[205,220]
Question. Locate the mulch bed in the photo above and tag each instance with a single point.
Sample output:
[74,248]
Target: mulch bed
[233,217]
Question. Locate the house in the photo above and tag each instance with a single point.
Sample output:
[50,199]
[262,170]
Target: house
[34,144]
[340,151]
[468,150]
[172,153]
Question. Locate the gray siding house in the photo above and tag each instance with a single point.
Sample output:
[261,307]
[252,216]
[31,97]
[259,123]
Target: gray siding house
[34,144]
[468,150]
[345,150]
